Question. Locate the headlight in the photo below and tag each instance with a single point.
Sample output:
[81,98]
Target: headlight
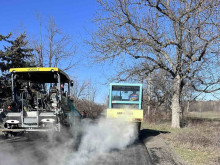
[48,120]
[12,121]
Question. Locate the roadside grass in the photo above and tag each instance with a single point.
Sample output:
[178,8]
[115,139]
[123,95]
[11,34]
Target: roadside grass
[195,157]
[205,115]
[197,144]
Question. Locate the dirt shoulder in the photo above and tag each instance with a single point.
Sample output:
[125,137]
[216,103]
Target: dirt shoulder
[159,150]
[197,143]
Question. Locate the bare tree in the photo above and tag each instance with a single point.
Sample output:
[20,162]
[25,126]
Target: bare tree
[160,93]
[181,37]
[38,46]
[83,90]
[91,91]
[84,94]
[79,88]
[54,48]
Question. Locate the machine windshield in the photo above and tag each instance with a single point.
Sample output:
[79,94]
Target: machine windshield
[32,94]
[125,93]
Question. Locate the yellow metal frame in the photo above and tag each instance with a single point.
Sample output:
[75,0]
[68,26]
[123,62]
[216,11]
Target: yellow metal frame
[38,69]
[133,115]
[34,69]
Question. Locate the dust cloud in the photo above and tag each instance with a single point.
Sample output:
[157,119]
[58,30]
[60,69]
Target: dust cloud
[91,140]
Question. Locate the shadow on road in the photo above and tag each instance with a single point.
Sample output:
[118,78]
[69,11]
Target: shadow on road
[148,133]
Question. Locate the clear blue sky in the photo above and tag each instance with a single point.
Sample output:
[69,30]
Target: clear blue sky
[72,16]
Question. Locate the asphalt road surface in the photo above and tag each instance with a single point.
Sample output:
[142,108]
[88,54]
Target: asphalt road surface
[24,150]
[135,154]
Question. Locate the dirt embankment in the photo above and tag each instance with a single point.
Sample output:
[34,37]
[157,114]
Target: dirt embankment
[159,150]
[198,142]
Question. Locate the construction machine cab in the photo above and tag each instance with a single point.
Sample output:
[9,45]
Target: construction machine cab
[38,98]
[125,101]
[125,96]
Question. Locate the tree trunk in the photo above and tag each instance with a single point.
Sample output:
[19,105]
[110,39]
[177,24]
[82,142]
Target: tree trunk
[149,94]
[187,108]
[175,107]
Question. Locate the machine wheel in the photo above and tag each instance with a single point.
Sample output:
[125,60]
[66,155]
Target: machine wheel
[138,127]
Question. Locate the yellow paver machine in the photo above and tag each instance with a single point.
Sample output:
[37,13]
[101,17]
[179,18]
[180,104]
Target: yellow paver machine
[40,101]
[125,102]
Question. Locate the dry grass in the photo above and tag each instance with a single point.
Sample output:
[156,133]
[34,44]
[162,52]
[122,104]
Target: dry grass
[205,115]
[198,144]
[197,157]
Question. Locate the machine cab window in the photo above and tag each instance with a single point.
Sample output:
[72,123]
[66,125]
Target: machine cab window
[125,93]
[125,96]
